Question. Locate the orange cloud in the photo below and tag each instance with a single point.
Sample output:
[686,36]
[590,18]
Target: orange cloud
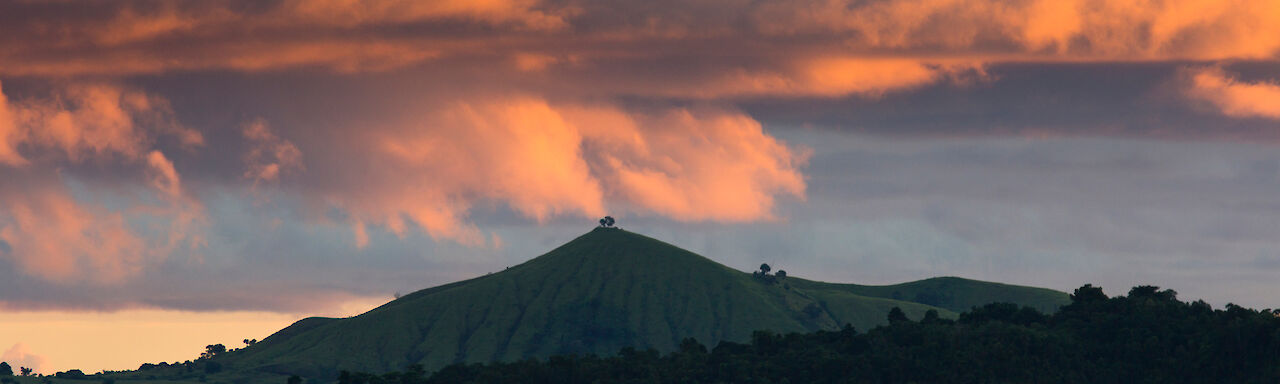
[10,135]
[691,165]
[826,77]
[1068,30]
[269,154]
[53,235]
[768,46]
[126,38]
[520,152]
[163,177]
[1234,98]
[521,14]
[544,160]
[88,121]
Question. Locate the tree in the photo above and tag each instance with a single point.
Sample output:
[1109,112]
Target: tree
[71,374]
[781,274]
[931,317]
[607,221]
[691,346]
[765,268]
[897,316]
[6,369]
[248,342]
[25,371]
[1087,294]
[210,351]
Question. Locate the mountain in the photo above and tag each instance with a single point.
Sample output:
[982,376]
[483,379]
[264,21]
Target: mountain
[605,290]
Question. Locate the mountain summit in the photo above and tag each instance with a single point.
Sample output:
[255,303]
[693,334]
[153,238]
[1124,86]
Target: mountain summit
[603,291]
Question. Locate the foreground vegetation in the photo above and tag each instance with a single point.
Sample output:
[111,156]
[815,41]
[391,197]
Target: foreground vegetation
[1148,336]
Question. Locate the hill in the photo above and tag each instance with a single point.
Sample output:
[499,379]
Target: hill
[605,290]
[1148,336]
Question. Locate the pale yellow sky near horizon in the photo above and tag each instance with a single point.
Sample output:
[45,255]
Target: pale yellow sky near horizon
[56,341]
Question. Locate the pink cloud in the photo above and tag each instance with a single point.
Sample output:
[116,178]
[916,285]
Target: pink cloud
[19,356]
[54,237]
[269,154]
[52,234]
[88,121]
[162,175]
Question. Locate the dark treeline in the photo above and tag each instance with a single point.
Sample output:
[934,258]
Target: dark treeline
[1146,337]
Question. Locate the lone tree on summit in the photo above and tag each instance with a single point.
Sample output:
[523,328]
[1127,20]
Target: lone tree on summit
[607,222]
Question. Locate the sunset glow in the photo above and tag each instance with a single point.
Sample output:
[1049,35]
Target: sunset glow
[177,174]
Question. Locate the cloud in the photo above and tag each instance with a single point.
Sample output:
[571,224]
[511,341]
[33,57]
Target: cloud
[269,154]
[54,235]
[545,159]
[815,77]
[86,121]
[1233,97]
[19,355]
[1051,30]
[691,164]
[10,135]
[162,175]
[146,37]
[724,48]
[454,120]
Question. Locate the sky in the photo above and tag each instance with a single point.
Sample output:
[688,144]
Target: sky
[177,174]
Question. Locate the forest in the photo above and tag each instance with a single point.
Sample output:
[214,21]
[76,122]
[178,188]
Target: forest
[1147,336]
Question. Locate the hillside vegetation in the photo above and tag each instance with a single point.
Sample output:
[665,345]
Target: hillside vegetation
[1148,336]
[601,292]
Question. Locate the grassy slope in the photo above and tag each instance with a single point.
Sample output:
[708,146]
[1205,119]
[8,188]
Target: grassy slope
[603,291]
[952,293]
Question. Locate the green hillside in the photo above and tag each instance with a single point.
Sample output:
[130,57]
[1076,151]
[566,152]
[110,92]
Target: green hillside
[951,293]
[605,290]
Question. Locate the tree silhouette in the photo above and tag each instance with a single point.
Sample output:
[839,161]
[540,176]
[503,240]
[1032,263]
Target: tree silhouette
[70,374]
[607,221]
[765,268]
[781,274]
[210,351]
[1088,293]
[25,371]
[6,369]
[896,316]
[1148,336]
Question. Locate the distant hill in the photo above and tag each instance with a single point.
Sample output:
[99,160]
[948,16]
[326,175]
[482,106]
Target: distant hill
[605,290]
